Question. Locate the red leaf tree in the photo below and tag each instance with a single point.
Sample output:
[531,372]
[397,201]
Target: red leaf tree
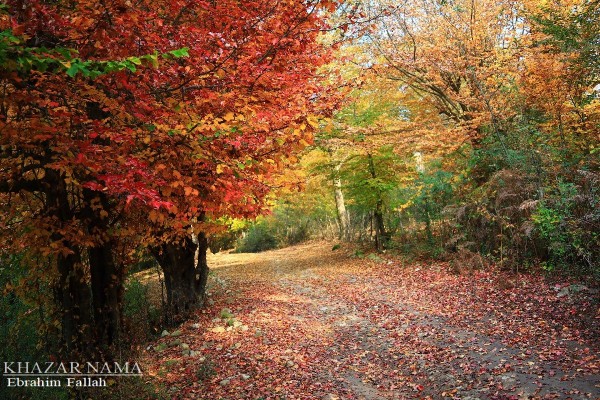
[136,123]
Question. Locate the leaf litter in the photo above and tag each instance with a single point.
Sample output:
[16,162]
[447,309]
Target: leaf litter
[308,323]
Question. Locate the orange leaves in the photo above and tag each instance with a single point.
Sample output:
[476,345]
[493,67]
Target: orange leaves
[156,216]
[556,74]
[171,138]
[452,64]
[229,117]
[189,191]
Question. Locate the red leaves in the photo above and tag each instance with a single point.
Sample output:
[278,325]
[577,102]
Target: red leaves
[321,325]
[131,158]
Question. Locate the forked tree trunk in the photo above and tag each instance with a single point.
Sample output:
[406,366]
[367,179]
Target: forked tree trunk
[340,205]
[381,235]
[185,275]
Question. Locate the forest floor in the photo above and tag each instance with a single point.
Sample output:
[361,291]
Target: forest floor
[308,322]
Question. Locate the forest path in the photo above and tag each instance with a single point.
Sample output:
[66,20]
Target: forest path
[307,322]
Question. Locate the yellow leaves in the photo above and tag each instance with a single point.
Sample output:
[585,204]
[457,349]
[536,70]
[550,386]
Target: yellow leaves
[56,247]
[404,206]
[95,204]
[313,121]
[34,174]
[220,168]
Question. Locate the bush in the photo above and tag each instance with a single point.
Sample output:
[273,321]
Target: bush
[569,221]
[288,225]
[142,319]
[146,261]
[223,241]
[24,327]
[229,237]
[260,237]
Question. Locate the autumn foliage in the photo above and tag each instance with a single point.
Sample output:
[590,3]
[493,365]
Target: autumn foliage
[470,131]
[137,131]
[131,124]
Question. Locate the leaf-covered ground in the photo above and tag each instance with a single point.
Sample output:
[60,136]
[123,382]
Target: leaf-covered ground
[310,323]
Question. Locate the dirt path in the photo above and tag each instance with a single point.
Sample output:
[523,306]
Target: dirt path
[311,323]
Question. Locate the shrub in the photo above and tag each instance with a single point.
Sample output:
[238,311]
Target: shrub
[260,237]
[25,334]
[223,241]
[141,317]
[568,220]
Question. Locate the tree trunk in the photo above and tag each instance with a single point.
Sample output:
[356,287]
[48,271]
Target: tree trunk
[420,167]
[71,292]
[202,264]
[342,213]
[381,235]
[107,291]
[185,272]
[73,296]
[106,276]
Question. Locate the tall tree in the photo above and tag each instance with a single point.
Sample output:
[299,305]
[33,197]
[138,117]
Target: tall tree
[115,112]
[458,56]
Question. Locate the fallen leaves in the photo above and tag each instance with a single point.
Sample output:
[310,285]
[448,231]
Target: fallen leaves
[308,324]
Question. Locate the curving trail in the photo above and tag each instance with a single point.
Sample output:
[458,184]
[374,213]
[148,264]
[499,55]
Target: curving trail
[307,322]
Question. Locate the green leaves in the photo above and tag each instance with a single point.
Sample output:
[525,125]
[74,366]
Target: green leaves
[75,68]
[93,69]
[183,52]
[15,56]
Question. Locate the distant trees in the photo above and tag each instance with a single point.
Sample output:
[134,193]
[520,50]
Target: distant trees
[501,100]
